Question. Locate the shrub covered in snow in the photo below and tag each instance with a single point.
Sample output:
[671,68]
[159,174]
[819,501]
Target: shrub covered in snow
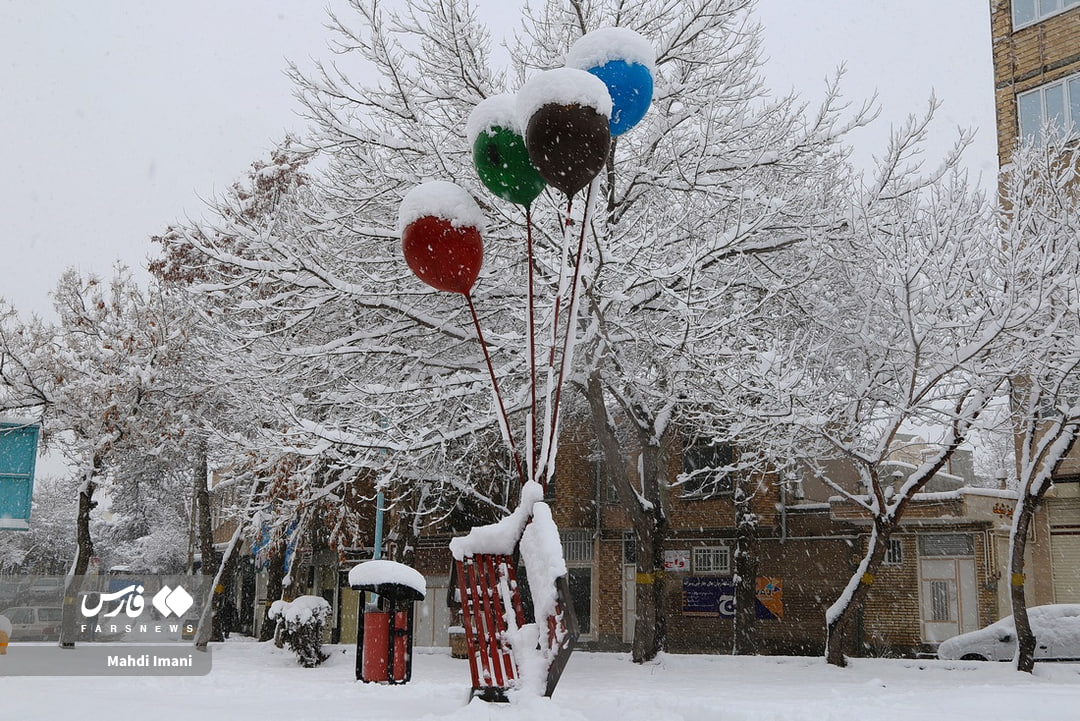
[301,623]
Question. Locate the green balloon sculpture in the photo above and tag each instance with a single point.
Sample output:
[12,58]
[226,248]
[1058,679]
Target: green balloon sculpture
[499,152]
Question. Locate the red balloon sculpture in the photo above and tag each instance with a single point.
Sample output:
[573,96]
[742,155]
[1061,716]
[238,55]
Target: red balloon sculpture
[445,256]
[440,237]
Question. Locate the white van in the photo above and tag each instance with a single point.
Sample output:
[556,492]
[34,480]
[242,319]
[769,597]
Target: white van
[34,623]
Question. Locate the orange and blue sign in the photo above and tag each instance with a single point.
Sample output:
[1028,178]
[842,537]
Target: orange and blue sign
[715,597]
[769,601]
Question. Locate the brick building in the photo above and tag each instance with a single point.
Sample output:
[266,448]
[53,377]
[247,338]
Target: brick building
[1036,52]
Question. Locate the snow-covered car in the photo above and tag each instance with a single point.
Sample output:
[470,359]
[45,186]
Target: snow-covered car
[34,623]
[46,588]
[1057,637]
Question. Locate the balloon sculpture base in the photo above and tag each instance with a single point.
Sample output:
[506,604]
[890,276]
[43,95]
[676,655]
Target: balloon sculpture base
[502,646]
[487,584]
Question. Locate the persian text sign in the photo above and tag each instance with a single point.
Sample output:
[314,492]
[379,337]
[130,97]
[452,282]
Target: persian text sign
[677,561]
[708,596]
[714,596]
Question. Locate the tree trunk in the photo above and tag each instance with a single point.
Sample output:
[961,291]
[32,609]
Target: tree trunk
[274,578]
[215,595]
[744,636]
[403,537]
[839,633]
[1025,637]
[650,525]
[85,552]
[649,625]
[208,561]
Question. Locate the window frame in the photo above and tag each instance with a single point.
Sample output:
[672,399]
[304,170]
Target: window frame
[711,570]
[699,480]
[1039,15]
[1070,109]
[577,546]
[894,554]
[948,544]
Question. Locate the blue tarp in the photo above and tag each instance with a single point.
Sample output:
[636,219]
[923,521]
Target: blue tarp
[18,455]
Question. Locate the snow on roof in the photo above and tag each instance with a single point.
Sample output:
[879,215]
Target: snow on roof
[498,111]
[500,537]
[564,86]
[378,572]
[956,495]
[17,420]
[806,507]
[965,491]
[606,44]
[441,199]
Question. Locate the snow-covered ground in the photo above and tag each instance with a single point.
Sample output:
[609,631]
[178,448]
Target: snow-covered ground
[259,682]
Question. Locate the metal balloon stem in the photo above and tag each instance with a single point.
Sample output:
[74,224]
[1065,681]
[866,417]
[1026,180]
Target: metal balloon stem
[503,417]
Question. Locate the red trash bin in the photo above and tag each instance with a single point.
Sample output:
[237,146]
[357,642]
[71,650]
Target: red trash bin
[384,653]
[376,666]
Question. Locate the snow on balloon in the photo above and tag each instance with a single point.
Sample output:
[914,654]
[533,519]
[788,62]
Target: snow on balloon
[626,62]
[502,161]
[566,113]
[440,226]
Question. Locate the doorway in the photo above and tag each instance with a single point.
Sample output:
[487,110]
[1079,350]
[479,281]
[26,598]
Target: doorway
[948,587]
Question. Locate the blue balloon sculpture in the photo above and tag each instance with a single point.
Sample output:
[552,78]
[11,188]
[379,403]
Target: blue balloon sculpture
[631,89]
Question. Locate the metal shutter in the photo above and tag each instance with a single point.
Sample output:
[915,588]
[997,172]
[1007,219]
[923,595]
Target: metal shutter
[1064,517]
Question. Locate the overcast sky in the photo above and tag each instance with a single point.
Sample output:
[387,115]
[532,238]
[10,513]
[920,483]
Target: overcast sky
[118,116]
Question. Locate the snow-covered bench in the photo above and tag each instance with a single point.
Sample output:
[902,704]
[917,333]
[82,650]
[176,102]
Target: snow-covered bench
[506,652]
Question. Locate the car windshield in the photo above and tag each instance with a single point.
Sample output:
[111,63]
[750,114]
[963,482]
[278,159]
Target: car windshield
[50,614]
[18,615]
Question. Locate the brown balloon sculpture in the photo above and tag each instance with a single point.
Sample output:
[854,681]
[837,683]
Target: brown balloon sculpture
[567,144]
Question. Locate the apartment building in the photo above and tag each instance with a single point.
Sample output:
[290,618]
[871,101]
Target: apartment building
[1036,52]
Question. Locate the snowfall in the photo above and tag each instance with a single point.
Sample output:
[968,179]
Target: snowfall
[257,681]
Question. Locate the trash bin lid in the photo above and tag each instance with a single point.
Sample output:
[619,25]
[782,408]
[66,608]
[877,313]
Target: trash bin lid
[388,578]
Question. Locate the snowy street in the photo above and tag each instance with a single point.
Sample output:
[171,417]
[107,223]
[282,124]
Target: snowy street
[259,682]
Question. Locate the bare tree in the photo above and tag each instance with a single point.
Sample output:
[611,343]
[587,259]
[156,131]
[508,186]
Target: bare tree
[321,303]
[1040,221]
[91,378]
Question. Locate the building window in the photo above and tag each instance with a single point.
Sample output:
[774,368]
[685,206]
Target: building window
[1054,105]
[577,546]
[947,544]
[1026,12]
[894,556]
[712,560]
[706,469]
[939,601]
[629,548]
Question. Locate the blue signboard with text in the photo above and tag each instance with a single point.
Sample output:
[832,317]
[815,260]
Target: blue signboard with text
[18,455]
[708,596]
